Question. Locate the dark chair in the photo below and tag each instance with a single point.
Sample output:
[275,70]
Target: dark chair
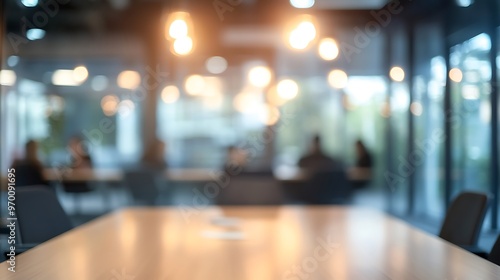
[39,215]
[251,189]
[464,219]
[323,187]
[143,186]
[494,256]
[75,189]
[28,174]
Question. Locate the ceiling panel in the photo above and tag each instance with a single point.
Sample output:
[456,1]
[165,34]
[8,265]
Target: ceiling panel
[350,4]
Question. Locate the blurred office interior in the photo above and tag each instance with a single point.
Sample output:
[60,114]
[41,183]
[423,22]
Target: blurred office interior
[162,94]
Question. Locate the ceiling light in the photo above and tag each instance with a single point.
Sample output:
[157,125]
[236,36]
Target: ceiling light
[194,85]
[183,46]
[216,65]
[287,89]
[12,60]
[178,29]
[170,94]
[129,80]
[328,49]
[7,77]
[260,76]
[35,34]
[397,74]
[80,74]
[337,79]
[455,75]
[302,4]
[29,3]
[64,77]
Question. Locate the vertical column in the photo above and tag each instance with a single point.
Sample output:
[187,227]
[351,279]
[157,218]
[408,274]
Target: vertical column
[411,121]
[388,128]
[153,40]
[494,114]
[447,123]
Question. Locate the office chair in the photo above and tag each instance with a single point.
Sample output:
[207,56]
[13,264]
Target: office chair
[494,256]
[464,219]
[143,186]
[28,174]
[251,189]
[39,215]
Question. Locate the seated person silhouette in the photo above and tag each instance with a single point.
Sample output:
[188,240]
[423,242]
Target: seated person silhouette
[29,170]
[154,156]
[327,182]
[364,164]
[316,160]
[363,157]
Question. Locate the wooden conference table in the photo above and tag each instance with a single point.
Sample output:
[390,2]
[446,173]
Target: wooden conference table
[265,243]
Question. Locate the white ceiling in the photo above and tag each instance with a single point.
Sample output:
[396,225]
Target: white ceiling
[350,4]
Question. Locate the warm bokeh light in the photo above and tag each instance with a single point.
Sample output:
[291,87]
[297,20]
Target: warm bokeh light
[287,89]
[397,74]
[178,29]
[170,94]
[268,114]
[416,108]
[259,76]
[216,64]
[307,30]
[183,46]
[213,87]
[247,100]
[178,25]
[129,80]
[195,85]
[126,107]
[273,98]
[302,4]
[303,33]
[109,104]
[297,41]
[7,77]
[338,79]
[80,74]
[456,75]
[328,49]
[64,77]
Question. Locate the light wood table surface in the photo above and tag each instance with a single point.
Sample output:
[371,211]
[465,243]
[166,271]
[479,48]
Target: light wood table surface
[261,243]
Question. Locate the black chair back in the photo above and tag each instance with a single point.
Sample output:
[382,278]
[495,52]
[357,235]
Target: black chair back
[250,189]
[142,185]
[40,215]
[28,174]
[464,219]
[494,255]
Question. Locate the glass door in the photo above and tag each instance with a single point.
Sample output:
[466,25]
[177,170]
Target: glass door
[470,75]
